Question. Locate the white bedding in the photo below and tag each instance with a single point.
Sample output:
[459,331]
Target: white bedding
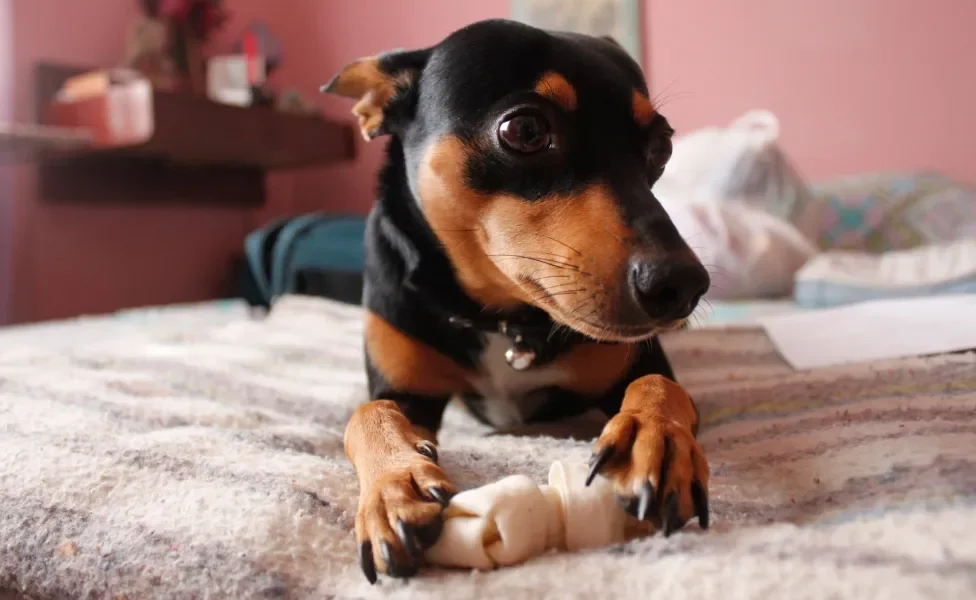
[191,460]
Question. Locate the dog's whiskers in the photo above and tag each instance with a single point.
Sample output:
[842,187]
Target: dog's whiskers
[549,295]
[662,102]
[578,253]
[523,278]
[545,261]
[663,90]
[559,285]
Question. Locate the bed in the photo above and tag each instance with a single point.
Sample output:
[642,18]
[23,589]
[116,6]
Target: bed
[196,452]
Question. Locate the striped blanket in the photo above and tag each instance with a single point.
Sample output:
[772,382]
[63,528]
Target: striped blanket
[181,460]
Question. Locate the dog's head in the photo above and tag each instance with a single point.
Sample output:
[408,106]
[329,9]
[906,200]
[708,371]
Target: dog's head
[532,155]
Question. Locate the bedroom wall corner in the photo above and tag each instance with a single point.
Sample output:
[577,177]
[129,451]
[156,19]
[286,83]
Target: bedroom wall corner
[6,172]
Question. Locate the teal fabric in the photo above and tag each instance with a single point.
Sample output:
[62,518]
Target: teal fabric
[278,251]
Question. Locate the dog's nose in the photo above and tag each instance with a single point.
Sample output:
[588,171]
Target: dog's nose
[668,289]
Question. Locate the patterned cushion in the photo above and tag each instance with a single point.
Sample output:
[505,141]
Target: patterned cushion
[889,211]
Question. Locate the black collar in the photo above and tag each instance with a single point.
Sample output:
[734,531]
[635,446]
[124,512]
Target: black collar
[529,338]
[515,323]
[428,277]
[533,337]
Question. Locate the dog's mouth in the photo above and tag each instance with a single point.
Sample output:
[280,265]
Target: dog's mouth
[613,332]
[583,310]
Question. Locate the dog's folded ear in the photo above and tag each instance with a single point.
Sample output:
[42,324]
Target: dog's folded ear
[385,86]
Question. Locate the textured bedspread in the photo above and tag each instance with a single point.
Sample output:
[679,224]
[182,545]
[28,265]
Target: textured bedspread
[206,461]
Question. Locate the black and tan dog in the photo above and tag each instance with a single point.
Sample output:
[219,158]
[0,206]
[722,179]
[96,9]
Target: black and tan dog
[517,259]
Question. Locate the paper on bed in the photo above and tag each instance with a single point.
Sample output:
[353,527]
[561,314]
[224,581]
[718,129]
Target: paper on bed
[877,330]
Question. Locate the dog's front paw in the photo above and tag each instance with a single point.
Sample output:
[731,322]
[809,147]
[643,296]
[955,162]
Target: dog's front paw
[401,515]
[657,468]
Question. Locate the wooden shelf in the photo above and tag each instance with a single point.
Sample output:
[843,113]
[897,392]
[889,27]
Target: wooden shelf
[19,141]
[135,120]
[147,145]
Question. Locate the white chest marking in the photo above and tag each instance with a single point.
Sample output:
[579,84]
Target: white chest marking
[508,394]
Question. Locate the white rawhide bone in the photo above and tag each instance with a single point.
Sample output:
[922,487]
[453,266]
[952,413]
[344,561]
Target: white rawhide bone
[513,519]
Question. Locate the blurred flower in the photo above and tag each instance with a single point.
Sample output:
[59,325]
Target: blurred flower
[201,18]
[175,10]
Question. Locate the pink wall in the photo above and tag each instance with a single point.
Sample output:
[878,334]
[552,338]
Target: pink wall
[84,258]
[6,174]
[319,38]
[74,259]
[858,84]
[871,84]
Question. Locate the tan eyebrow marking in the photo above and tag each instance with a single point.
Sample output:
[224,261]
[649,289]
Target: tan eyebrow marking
[643,109]
[554,86]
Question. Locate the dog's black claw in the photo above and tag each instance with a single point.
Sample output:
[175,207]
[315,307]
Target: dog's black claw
[403,571]
[428,449]
[393,568]
[700,499]
[671,522]
[597,462]
[666,457]
[443,497]
[366,561]
[427,535]
[409,539]
[647,502]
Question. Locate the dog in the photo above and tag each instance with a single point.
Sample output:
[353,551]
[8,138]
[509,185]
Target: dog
[517,259]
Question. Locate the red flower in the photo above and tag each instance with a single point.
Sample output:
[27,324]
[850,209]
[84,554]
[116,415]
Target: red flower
[200,17]
[175,10]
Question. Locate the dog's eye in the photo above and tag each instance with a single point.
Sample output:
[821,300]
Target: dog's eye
[525,133]
[659,152]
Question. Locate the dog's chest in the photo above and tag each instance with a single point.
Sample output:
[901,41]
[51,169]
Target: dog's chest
[510,396]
